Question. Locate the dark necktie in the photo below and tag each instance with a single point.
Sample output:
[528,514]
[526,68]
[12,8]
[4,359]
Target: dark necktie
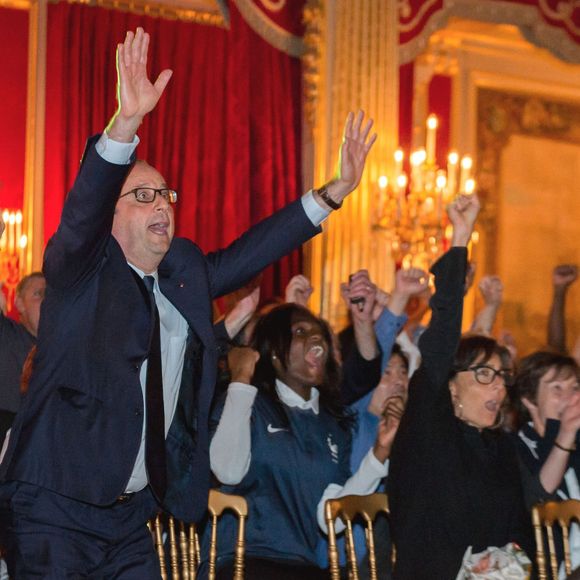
[155,426]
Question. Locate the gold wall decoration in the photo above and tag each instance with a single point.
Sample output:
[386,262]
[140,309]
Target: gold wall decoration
[501,115]
[528,155]
[313,18]
[268,29]
[156,10]
[358,68]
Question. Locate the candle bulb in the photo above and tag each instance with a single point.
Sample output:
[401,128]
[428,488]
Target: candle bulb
[22,243]
[399,156]
[430,144]
[452,163]
[466,165]
[469,186]
[18,218]
[11,232]
[417,159]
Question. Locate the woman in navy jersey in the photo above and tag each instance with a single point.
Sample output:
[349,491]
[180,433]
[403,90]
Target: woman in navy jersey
[283,441]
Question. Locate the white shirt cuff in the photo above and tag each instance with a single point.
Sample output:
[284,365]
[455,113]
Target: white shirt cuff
[246,392]
[315,212]
[114,151]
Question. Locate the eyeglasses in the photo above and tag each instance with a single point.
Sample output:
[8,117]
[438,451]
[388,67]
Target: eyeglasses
[485,375]
[147,194]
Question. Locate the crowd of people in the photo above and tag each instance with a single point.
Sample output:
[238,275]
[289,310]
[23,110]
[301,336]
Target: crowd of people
[124,408]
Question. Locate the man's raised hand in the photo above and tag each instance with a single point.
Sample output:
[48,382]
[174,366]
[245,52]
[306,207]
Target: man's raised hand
[356,144]
[136,94]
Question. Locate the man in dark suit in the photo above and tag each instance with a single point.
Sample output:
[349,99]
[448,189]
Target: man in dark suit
[126,351]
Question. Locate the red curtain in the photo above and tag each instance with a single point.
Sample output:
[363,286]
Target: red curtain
[226,133]
[13,85]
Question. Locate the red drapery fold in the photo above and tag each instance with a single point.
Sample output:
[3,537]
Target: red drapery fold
[226,134]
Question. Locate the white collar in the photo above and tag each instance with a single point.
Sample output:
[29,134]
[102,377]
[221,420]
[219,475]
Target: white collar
[142,274]
[293,399]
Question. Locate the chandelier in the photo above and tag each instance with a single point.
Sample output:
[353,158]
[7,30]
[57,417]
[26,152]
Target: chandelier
[410,206]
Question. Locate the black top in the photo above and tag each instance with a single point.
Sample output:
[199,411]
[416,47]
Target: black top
[450,485]
[15,344]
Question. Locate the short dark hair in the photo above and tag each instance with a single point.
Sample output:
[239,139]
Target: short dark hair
[476,346]
[273,336]
[535,366]
[398,351]
[21,287]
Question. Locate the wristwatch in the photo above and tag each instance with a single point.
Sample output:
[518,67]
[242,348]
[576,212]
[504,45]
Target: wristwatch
[323,193]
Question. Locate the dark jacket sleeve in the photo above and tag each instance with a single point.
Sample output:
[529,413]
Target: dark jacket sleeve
[260,246]
[359,376]
[78,246]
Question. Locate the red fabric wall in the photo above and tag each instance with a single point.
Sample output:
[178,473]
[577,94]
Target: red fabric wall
[226,134]
[13,84]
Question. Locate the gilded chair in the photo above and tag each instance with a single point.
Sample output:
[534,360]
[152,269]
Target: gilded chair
[348,508]
[184,550]
[544,516]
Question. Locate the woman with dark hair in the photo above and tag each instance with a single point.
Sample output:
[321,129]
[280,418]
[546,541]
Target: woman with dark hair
[283,442]
[454,480]
[548,390]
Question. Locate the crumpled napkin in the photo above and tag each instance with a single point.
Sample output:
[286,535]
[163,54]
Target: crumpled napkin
[507,563]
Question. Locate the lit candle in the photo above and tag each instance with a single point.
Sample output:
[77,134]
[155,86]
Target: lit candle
[452,163]
[431,138]
[11,232]
[401,187]
[383,184]
[469,186]
[417,159]
[18,219]
[440,184]
[23,242]
[399,156]
[466,165]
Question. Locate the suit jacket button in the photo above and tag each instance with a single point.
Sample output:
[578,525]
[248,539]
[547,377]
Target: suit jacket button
[138,413]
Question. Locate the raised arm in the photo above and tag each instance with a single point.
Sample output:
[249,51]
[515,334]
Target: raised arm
[295,224]
[491,289]
[562,278]
[230,451]
[87,217]
[439,342]
[356,144]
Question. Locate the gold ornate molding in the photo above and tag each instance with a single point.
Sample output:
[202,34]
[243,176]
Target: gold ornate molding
[500,115]
[359,68]
[311,60]
[527,18]
[271,32]
[155,10]
[16,4]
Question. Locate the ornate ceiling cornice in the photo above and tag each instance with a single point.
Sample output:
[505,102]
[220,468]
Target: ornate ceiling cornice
[142,7]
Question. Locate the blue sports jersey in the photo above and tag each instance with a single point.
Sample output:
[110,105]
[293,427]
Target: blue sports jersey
[293,461]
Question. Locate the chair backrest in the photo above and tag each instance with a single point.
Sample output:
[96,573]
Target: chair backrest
[184,549]
[544,516]
[348,508]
